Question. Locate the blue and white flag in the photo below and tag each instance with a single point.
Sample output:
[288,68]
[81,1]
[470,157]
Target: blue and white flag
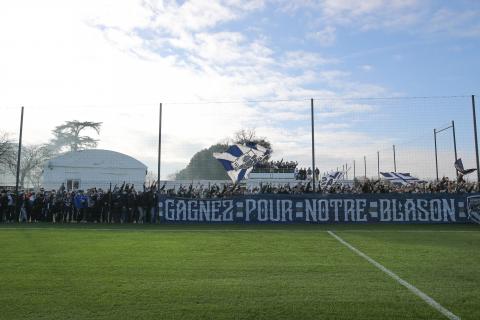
[331,178]
[239,159]
[400,178]
[461,169]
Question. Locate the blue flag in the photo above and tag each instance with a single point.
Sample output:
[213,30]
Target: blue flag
[239,159]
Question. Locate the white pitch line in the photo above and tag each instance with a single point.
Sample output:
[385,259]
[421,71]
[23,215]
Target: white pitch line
[160,229]
[408,231]
[313,230]
[437,306]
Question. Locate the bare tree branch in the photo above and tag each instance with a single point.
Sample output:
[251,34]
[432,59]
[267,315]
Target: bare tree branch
[6,148]
[31,164]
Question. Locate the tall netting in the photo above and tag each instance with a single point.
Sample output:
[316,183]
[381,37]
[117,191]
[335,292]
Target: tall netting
[397,134]
[357,136]
[190,128]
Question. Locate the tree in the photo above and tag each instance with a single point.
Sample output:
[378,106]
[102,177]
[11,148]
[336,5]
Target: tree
[249,135]
[203,166]
[6,148]
[33,158]
[68,135]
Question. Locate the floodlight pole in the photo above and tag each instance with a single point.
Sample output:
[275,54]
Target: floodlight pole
[476,138]
[313,145]
[436,156]
[454,144]
[19,154]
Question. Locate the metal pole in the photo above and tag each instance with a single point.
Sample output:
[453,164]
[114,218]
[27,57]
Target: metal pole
[109,203]
[365,166]
[313,145]
[19,154]
[378,165]
[476,139]
[454,144]
[394,160]
[354,176]
[346,171]
[436,157]
[159,160]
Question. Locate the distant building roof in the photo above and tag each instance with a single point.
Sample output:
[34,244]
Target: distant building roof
[95,158]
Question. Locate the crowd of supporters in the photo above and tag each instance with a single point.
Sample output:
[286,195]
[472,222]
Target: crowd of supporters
[306,174]
[127,205]
[121,205]
[275,166]
[359,186]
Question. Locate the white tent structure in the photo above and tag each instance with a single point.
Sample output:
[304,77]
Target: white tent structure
[92,168]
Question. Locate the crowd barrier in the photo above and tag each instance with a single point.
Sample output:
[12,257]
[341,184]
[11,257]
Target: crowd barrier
[440,208]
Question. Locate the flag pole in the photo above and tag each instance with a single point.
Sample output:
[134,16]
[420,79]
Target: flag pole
[313,144]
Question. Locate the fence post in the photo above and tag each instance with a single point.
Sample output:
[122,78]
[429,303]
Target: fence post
[159,156]
[394,160]
[18,162]
[365,166]
[454,144]
[313,144]
[436,157]
[378,165]
[476,138]
[354,176]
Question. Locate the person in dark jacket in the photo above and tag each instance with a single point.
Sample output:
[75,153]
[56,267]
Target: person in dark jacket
[80,203]
[3,207]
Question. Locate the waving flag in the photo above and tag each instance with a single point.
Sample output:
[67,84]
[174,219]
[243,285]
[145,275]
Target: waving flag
[331,178]
[459,167]
[239,159]
[400,178]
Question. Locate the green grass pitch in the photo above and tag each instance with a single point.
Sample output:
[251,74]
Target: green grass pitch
[236,272]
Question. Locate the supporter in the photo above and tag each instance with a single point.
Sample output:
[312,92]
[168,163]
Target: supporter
[309,173]
[4,217]
[275,166]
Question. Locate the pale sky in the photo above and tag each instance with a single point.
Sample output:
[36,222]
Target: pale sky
[115,61]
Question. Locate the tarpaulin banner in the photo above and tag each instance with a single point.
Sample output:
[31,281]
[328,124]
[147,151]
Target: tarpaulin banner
[324,208]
